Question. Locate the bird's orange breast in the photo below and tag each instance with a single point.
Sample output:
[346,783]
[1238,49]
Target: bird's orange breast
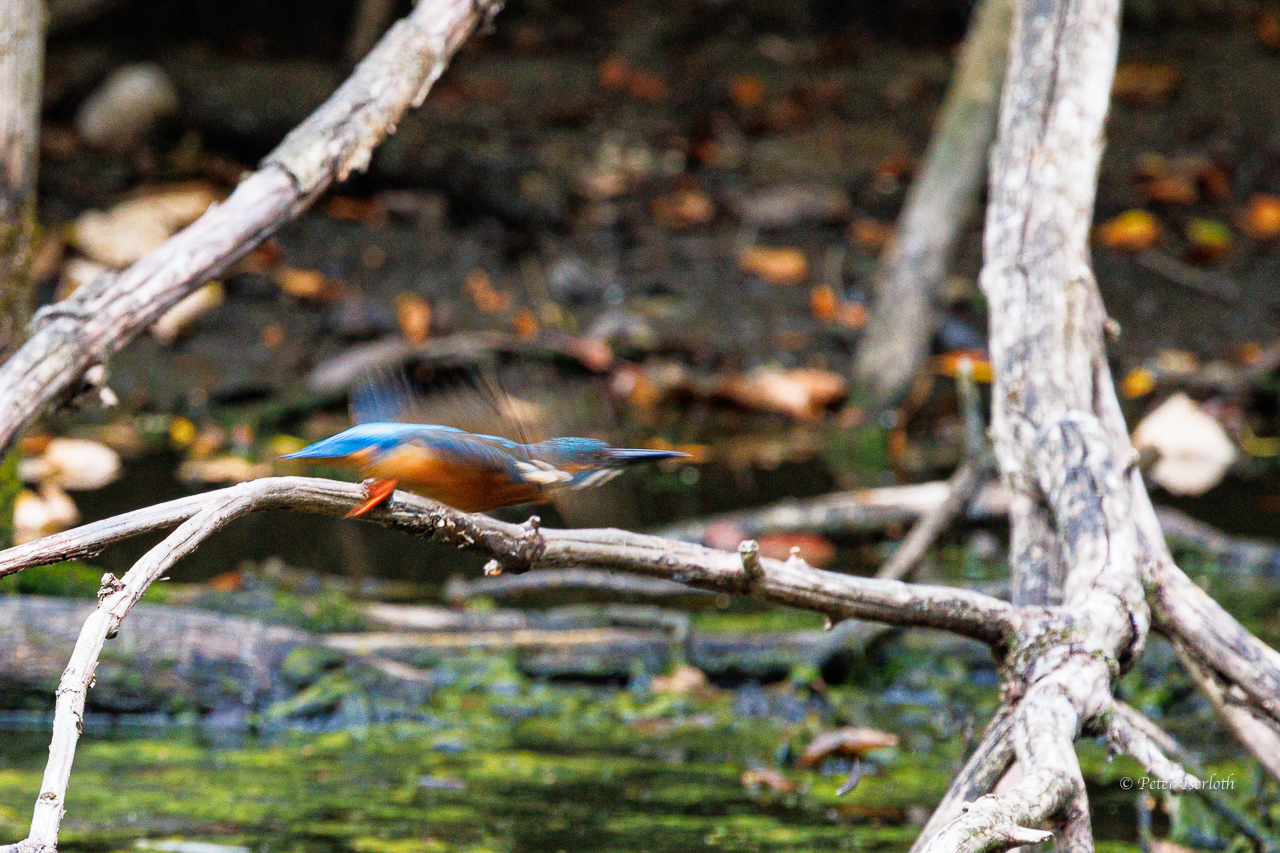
[446,478]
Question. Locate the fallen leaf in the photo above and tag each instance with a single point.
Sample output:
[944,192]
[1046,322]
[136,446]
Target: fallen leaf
[847,742]
[349,209]
[817,551]
[775,265]
[1131,231]
[308,285]
[413,313]
[1138,382]
[613,74]
[1267,28]
[746,90]
[870,234]
[227,582]
[272,335]
[683,208]
[1172,189]
[222,469]
[823,302]
[525,324]
[1193,450]
[951,363]
[1260,219]
[803,393]
[1210,241]
[37,514]
[480,287]
[1176,362]
[73,463]
[127,232]
[767,777]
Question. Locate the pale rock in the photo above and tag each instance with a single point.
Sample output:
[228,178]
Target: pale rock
[73,463]
[126,106]
[1193,449]
[178,319]
[127,232]
[40,514]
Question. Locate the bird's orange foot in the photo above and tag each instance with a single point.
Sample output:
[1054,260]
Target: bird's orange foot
[375,493]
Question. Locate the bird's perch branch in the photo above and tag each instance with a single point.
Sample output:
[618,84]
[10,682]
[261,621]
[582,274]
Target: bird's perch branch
[522,547]
[103,316]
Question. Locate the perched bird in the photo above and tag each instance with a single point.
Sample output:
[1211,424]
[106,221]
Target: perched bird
[468,471]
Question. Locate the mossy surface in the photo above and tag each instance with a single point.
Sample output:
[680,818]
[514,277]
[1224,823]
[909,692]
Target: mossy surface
[497,762]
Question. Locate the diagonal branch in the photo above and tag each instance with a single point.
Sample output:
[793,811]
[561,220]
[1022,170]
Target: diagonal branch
[979,776]
[1130,732]
[1254,729]
[115,599]
[103,316]
[1045,725]
[522,547]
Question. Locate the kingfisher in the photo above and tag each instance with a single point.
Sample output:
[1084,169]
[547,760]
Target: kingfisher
[468,471]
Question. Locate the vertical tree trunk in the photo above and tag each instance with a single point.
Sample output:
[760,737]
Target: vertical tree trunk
[938,209]
[21,64]
[21,70]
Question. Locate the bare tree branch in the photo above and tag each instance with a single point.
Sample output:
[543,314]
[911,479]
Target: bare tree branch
[1251,726]
[21,70]
[1044,729]
[522,547]
[103,316]
[979,775]
[1130,732]
[937,210]
[114,601]
[960,488]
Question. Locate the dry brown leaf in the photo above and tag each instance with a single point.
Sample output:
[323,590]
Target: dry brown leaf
[309,285]
[684,680]
[802,393]
[775,265]
[847,742]
[683,208]
[127,232]
[1260,219]
[1131,231]
[817,551]
[413,313]
[767,777]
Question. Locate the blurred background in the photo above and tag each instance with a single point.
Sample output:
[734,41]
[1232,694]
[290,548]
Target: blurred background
[653,223]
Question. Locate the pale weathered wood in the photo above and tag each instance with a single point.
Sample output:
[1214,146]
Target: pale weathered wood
[21,72]
[938,208]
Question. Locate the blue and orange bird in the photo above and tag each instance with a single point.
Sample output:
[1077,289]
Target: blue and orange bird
[468,471]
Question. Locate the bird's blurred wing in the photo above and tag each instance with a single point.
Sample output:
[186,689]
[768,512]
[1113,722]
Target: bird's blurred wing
[474,401]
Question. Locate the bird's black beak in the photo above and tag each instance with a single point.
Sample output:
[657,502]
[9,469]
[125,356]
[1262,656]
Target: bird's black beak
[633,456]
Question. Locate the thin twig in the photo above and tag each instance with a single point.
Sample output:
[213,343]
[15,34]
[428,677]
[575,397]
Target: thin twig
[961,487]
[114,602]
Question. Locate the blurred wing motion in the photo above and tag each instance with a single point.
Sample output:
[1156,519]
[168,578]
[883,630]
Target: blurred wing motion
[473,472]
